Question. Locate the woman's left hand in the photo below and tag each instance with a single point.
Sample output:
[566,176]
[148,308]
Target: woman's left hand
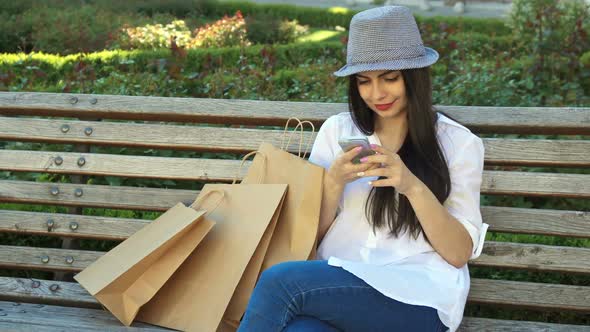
[393,169]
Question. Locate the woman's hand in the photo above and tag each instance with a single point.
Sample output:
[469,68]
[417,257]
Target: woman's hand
[393,169]
[344,171]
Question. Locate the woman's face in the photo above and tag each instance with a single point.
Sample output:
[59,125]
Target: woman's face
[383,91]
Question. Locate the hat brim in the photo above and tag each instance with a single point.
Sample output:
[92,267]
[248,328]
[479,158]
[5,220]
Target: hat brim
[426,60]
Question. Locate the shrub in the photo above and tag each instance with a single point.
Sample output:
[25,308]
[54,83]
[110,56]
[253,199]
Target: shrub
[155,36]
[229,31]
[266,29]
[555,34]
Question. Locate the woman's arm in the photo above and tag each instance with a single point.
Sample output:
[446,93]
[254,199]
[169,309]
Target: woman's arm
[446,234]
[330,199]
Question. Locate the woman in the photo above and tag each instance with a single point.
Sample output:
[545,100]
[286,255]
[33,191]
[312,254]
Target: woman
[396,231]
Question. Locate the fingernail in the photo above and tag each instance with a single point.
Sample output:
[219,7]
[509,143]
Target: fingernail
[360,173]
[363,159]
[373,145]
[358,148]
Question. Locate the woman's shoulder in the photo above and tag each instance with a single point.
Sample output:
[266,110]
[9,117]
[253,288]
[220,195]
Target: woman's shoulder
[340,123]
[454,137]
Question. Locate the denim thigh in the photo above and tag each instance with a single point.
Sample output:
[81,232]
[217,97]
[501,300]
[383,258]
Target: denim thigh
[332,295]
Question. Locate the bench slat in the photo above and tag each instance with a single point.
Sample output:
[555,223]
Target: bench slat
[187,137]
[497,254]
[536,184]
[101,228]
[17,257]
[537,221]
[121,165]
[116,197]
[535,257]
[542,296]
[500,219]
[499,151]
[482,119]
[40,317]
[529,294]
[499,325]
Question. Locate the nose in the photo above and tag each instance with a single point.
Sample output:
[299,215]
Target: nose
[377,91]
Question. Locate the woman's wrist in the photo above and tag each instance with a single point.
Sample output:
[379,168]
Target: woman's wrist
[332,183]
[415,190]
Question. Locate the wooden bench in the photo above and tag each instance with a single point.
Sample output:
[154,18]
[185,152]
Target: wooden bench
[218,129]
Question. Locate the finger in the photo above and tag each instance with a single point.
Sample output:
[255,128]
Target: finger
[381,150]
[386,159]
[386,172]
[355,168]
[380,183]
[350,154]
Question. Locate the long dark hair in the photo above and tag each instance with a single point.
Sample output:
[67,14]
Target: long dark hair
[420,152]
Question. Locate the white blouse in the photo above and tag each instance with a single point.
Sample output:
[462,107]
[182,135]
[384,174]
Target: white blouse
[403,268]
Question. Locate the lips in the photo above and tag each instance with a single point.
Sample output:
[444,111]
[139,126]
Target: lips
[383,107]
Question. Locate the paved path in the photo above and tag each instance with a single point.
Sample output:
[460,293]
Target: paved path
[498,9]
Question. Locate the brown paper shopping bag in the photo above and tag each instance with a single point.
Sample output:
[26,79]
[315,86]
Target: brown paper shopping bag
[294,236]
[197,295]
[130,274]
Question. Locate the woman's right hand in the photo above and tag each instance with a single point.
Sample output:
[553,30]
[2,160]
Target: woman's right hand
[343,171]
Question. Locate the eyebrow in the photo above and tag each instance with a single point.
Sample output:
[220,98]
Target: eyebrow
[385,73]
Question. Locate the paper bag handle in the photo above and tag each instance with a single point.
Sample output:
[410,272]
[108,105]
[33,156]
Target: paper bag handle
[299,124]
[264,158]
[200,199]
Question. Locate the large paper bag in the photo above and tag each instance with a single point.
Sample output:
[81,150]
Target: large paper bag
[295,235]
[197,295]
[129,275]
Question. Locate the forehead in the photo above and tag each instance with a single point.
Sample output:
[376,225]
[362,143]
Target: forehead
[376,73]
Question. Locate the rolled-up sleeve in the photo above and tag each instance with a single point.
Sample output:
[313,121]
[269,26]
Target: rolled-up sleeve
[466,170]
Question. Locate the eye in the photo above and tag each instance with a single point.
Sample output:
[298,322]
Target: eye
[359,82]
[392,79]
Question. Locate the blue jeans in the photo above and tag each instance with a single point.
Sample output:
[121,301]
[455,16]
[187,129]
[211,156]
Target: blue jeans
[312,296]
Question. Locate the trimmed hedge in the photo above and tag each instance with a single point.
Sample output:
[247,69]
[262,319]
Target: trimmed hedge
[91,27]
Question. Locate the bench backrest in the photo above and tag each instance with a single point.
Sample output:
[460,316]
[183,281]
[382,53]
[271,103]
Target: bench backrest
[80,131]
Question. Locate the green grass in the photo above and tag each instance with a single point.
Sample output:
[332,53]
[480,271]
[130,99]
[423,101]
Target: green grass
[321,35]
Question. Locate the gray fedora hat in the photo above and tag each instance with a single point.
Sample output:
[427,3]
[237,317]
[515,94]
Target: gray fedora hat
[385,38]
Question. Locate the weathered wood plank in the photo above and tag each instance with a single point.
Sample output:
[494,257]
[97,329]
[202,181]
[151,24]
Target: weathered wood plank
[535,257]
[482,119]
[116,197]
[567,185]
[537,221]
[500,219]
[69,225]
[46,291]
[121,165]
[483,291]
[498,254]
[177,137]
[50,259]
[530,295]
[499,151]
[40,317]
[536,184]
[537,152]
[498,325]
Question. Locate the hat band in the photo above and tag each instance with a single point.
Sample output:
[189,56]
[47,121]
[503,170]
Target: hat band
[366,56]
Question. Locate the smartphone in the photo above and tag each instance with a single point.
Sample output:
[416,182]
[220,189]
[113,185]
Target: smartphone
[351,142]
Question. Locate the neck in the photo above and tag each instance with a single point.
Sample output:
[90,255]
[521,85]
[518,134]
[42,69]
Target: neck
[392,131]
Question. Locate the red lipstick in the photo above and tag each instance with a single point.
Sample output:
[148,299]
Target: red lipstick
[383,107]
